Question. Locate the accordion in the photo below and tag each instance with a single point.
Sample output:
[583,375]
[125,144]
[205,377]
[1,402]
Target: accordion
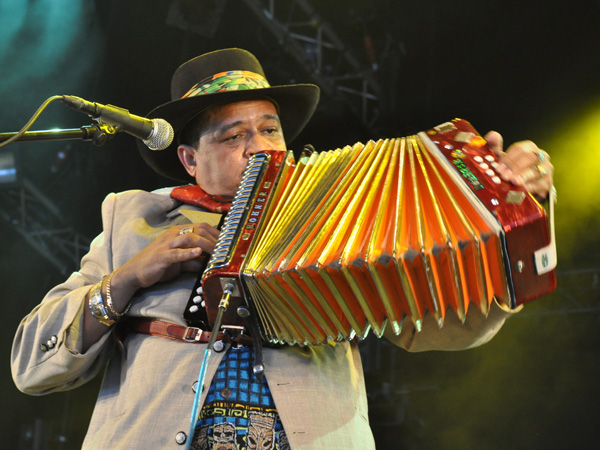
[362,238]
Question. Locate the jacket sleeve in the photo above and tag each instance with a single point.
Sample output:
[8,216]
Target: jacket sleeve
[46,353]
[476,330]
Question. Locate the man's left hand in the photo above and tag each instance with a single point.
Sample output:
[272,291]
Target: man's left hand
[523,164]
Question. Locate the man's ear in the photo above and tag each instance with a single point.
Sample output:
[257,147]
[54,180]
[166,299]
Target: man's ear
[186,156]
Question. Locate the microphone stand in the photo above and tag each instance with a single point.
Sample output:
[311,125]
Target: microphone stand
[98,134]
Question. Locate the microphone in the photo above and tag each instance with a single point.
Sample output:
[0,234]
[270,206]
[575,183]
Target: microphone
[157,134]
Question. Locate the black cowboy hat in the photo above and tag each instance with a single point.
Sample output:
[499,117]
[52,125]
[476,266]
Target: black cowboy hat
[219,77]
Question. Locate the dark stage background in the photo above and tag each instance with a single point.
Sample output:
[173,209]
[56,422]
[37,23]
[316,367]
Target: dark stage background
[529,69]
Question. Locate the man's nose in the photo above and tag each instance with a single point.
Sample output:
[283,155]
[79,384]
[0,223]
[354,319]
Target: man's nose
[257,143]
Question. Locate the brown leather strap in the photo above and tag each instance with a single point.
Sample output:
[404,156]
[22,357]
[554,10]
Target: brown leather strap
[179,332]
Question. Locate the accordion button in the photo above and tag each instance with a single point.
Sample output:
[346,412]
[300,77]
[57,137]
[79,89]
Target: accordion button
[194,309]
[496,180]
[490,158]
[478,159]
[197,299]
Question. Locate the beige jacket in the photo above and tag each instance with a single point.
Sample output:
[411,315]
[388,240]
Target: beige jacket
[148,388]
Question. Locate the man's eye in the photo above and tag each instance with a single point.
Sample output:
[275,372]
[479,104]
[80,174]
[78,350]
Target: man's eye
[232,138]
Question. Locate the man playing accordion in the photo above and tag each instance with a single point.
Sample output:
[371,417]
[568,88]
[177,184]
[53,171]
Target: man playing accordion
[123,309]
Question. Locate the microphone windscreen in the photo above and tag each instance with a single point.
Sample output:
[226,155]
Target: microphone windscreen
[162,135]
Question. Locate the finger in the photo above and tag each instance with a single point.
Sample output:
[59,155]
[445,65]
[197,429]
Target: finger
[535,169]
[524,154]
[208,236]
[186,229]
[207,231]
[515,165]
[495,142]
[201,229]
[193,240]
[152,268]
[193,265]
[178,255]
[537,172]
[539,187]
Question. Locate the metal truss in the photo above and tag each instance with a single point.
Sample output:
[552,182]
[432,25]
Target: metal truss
[39,221]
[314,45]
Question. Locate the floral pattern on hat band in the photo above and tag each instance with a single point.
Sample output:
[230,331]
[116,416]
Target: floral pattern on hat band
[233,80]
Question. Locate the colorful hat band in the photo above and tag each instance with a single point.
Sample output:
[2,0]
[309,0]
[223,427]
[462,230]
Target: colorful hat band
[233,80]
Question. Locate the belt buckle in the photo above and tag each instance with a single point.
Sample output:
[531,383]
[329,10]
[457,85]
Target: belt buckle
[234,332]
[189,331]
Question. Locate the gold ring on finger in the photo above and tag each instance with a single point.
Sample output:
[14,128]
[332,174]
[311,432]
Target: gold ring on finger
[541,171]
[185,230]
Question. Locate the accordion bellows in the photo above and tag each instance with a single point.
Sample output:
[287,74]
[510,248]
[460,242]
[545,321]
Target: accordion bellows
[368,236]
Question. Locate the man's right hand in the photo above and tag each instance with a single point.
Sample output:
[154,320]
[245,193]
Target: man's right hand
[168,256]
[171,254]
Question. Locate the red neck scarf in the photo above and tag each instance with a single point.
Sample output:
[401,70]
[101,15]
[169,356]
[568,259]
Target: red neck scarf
[195,195]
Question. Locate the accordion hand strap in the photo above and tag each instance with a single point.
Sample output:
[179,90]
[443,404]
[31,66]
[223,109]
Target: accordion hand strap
[546,257]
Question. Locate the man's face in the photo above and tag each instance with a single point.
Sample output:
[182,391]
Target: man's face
[231,134]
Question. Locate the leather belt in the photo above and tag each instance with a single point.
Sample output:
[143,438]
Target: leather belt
[180,332]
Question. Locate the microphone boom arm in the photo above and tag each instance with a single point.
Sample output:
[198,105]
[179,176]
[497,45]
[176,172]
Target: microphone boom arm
[97,134]
[156,134]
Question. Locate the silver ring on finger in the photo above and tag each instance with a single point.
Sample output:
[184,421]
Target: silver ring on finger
[186,230]
[541,156]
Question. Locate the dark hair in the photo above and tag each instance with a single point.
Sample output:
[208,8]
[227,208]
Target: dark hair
[191,132]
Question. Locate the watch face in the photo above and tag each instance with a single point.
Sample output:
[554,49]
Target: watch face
[97,308]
